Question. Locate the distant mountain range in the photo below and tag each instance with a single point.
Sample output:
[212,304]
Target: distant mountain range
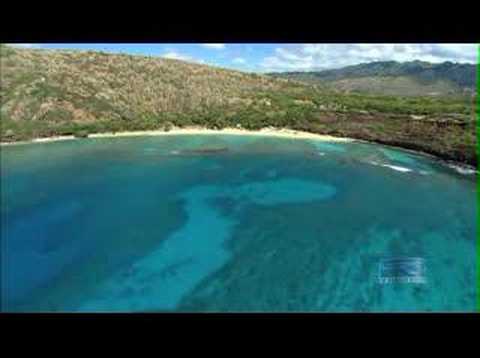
[395,78]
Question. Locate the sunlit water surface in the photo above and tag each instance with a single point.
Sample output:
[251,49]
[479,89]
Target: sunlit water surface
[231,223]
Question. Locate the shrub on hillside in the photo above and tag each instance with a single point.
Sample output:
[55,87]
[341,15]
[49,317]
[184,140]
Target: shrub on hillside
[81,134]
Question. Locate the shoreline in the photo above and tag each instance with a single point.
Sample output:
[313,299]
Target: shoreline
[38,140]
[264,132]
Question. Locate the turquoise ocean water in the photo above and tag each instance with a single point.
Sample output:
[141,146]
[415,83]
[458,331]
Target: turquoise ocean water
[231,223]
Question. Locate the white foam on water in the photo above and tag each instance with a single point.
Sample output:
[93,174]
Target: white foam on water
[397,168]
[394,167]
[462,169]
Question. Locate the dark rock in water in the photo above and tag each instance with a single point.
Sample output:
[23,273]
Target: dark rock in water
[311,153]
[206,151]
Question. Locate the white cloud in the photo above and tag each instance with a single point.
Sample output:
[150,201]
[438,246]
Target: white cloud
[177,56]
[239,61]
[309,57]
[214,46]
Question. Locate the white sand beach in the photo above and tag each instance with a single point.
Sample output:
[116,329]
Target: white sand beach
[40,140]
[269,132]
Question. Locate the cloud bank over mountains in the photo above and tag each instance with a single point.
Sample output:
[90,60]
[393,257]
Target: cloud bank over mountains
[311,57]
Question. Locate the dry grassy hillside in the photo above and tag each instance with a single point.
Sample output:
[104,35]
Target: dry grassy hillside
[83,86]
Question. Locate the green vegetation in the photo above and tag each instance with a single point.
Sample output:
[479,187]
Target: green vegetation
[46,93]
[81,134]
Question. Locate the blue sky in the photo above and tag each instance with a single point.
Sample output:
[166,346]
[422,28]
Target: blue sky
[287,57]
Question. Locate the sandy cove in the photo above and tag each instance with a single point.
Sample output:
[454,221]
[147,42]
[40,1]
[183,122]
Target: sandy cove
[264,132]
